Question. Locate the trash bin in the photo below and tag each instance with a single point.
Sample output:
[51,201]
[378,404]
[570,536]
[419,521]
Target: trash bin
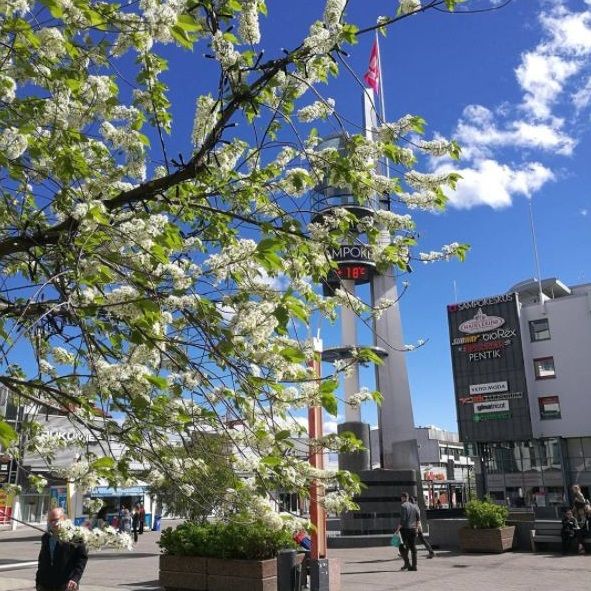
[286,570]
[156,526]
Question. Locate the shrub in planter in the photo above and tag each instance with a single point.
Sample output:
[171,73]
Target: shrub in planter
[487,531]
[486,515]
[218,556]
[242,538]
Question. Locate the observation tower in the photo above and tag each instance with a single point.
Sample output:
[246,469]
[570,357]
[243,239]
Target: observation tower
[399,460]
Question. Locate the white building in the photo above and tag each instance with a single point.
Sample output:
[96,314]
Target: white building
[538,373]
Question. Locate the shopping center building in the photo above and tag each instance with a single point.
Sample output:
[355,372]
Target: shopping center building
[522,374]
[32,505]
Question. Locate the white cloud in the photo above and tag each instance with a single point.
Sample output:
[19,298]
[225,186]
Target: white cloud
[554,76]
[584,212]
[542,77]
[490,183]
[582,97]
[479,132]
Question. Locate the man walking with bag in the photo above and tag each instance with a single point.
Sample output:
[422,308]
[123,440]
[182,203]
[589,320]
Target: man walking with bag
[61,564]
[410,517]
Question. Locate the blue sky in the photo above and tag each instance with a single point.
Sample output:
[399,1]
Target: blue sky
[513,86]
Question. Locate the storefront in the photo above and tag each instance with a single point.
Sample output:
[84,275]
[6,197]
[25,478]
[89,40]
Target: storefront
[116,498]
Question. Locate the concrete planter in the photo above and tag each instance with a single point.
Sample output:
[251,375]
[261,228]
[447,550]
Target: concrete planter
[195,573]
[494,540]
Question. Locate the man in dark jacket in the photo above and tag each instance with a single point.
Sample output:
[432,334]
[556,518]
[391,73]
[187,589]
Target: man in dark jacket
[61,564]
[409,522]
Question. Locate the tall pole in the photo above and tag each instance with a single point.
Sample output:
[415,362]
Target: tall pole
[315,431]
[535,247]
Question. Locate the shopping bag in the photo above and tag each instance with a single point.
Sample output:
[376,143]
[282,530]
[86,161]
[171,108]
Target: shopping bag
[395,541]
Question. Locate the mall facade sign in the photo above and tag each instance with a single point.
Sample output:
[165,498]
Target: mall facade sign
[487,362]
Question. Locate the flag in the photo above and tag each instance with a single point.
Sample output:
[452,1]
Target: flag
[372,76]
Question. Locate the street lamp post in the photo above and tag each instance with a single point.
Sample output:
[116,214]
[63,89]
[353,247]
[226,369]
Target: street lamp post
[316,456]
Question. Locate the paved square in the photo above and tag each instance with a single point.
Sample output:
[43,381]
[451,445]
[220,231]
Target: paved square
[363,569]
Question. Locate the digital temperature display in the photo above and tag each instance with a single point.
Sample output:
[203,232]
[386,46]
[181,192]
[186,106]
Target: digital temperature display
[355,272]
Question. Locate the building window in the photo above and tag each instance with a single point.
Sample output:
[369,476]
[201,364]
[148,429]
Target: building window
[549,407]
[544,368]
[539,330]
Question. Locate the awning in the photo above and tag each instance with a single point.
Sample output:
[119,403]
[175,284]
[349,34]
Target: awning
[107,491]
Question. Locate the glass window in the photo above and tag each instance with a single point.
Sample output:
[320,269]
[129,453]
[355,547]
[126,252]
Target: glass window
[539,330]
[586,443]
[549,407]
[544,368]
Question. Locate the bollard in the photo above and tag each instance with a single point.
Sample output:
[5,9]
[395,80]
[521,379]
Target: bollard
[286,563]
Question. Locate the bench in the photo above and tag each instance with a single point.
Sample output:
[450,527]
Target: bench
[547,531]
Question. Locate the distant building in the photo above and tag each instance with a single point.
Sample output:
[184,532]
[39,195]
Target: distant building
[447,473]
[522,369]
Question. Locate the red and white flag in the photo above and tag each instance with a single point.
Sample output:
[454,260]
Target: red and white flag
[372,76]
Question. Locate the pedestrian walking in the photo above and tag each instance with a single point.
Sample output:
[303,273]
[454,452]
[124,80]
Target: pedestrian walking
[135,522]
[410,517]
[125,521]
[421,537]
[61,564]
[142,518]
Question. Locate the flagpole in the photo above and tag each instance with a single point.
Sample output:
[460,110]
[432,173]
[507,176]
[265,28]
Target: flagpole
[382,102]
[382,107]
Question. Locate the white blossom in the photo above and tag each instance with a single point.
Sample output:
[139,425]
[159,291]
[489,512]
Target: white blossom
[296,182]
[62,356]
[12,143]
[317,110]
[447,251]
[206,114]
[52,44]
[94,539]
[333,12]
[10,7]
[224,51]
[321,39]
[437,147]
[248,29]
[7,88]
[357,398]
[408,6]
[93,506]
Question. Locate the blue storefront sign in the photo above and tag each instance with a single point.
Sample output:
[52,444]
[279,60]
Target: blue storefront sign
[108,491]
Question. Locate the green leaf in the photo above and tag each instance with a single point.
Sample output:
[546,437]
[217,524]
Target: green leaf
[54,8]
[7,434]
[349,33]
[328,386]
[283,434]
[367,355]
[271,461]
[158,381]
[292,354]
[329,403]
[182,37]
[188,23]
[451,4]
[103,463]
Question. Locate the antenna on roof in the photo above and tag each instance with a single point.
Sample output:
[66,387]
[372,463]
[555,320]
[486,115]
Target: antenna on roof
[535,247]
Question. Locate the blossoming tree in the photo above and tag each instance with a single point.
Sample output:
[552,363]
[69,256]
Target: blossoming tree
[158,299]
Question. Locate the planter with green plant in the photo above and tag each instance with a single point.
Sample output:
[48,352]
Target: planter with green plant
[215,556]
[487,530]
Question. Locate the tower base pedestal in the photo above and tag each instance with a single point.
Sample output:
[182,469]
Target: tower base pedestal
[379,502]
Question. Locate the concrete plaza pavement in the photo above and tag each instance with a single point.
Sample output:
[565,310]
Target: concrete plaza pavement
[363,569]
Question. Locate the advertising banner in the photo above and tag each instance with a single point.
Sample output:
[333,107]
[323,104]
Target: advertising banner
[487,363]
